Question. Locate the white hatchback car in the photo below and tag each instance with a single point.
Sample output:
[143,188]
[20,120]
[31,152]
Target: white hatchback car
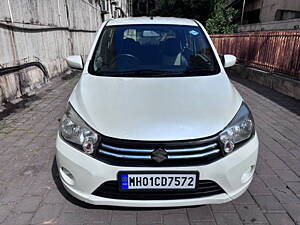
[154,120]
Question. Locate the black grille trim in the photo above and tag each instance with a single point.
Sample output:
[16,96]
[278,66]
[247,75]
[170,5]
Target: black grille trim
[205,188]
[138,153]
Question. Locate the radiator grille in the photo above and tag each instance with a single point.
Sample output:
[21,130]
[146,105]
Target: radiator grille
[142,153]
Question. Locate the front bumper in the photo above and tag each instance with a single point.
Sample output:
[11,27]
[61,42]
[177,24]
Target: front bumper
[233,173]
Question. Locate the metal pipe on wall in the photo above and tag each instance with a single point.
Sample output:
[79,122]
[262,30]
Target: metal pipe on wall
[59,14]
[10,12]
[243,9]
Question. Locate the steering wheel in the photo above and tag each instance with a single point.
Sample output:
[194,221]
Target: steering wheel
[125,59]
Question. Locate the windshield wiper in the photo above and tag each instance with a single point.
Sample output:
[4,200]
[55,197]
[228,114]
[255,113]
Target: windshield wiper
[147,72]
[157,73]
[143,72]
[106,73]
[198,70]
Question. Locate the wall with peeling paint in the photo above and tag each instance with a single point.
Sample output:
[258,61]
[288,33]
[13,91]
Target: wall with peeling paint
[46,31]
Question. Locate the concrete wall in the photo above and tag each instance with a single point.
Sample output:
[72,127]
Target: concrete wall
[277,82]
[47,31]
[271,26]
[269,8]
[272,14]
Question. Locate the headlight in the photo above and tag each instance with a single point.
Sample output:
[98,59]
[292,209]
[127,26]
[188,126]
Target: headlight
[239,129]
[75,130]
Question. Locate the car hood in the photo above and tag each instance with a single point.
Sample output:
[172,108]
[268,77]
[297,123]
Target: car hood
[156,109]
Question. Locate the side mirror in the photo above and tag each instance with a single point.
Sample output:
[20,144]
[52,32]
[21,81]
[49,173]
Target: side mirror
[229,60]
[75,62]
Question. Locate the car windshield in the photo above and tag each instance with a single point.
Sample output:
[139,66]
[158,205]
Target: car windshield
[153,50]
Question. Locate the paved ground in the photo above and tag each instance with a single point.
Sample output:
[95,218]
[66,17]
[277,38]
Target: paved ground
[30,192]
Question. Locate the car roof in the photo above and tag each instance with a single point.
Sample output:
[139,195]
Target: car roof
[151,20]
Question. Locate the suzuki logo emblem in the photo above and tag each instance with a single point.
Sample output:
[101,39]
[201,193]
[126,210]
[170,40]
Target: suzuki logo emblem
[159,155]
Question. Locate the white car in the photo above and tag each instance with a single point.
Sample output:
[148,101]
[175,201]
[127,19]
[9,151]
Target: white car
[154,120]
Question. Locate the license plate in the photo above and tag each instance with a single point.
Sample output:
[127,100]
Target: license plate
[158,181]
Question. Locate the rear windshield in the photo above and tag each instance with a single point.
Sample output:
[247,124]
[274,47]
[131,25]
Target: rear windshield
[153,50]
